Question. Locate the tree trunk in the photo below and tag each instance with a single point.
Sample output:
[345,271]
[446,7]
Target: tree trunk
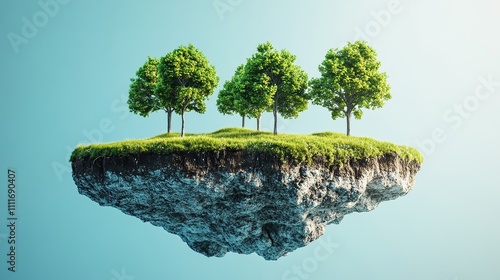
[275,114]
[169,120]
[348,118]
[182,126]
[258,123]
[243,121]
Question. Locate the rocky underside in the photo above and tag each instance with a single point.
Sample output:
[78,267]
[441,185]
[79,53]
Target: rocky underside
[237,201]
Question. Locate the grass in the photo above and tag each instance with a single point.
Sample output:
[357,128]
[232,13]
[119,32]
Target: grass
[335,148]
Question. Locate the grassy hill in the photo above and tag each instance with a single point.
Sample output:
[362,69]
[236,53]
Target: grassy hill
[336,148]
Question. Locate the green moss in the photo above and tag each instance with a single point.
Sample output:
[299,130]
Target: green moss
[335,148]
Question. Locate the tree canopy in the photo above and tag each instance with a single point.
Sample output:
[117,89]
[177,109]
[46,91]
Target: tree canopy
[272,82]
[187,74]
[229,94]
[142,97]
[146,95]
[350,81]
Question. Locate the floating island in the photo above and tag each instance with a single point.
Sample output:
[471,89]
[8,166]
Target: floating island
[245,191]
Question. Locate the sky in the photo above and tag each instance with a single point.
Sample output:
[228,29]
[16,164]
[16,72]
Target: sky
[65,71]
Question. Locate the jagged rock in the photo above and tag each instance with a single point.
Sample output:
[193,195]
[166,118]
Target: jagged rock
[237,201]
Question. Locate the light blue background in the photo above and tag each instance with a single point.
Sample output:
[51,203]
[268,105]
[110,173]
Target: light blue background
[73,75]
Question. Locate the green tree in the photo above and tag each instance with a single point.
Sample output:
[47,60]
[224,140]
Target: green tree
[350,81]
[227,98]
[145,95]
[272,82]
[252,97]
[187,74]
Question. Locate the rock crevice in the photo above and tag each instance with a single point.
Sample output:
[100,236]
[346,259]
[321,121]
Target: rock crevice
[238,201]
